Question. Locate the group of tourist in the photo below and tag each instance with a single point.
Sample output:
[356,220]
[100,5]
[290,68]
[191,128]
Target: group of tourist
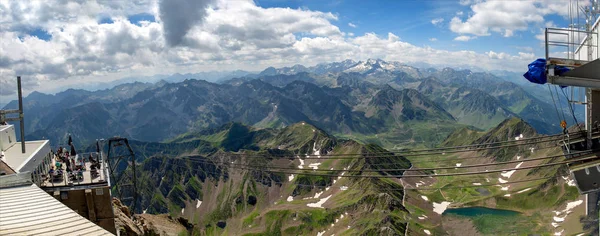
[69,161]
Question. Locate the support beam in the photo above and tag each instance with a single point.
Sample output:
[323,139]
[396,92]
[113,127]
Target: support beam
[89,199]
[20,92]
[592,118]
[592,115]
[574,81]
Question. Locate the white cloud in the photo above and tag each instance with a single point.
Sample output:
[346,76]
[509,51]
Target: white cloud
[459,13]
[233,35]
[437,21]
[432,39]
[352,25]
[468,2]
[464,38]
[505,17]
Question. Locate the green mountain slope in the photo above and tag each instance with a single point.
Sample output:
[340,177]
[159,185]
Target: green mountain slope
[241,201]
[533,194]
[223,193]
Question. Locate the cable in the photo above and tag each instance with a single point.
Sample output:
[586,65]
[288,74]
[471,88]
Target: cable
[329,156]
[391,154]
[542,139]
[445,187]
[436,158]
[244,167]
[562,111]
[572,110]
[483,144]
[485,185]
[554,102]
[433,158]
[410,169]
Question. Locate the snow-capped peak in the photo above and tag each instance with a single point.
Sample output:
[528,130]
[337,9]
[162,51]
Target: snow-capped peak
[370,65]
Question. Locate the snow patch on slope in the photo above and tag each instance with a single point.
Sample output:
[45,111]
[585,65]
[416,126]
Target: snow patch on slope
[440,207]
[524,190]
[508,174]
[319,203]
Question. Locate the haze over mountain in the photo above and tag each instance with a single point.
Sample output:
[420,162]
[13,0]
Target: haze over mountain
[197,143]
[388,100]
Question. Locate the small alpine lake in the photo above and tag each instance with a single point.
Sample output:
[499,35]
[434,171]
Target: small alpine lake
[477,211]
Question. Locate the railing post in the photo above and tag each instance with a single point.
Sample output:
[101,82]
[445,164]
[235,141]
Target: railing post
[546,42]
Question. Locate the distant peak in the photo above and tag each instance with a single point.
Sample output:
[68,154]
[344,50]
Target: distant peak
[374,60]
[298,66]
[36,94]
[509,128]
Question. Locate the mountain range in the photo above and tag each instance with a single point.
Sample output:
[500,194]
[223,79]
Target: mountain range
[371,101]
[216,154]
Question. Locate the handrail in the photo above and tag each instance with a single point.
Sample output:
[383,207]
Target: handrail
[573,39]
[571,30]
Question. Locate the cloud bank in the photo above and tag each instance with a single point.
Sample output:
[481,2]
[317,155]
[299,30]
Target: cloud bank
[191,36]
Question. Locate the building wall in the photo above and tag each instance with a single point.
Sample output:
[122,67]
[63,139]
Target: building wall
[7,137]
[96,206]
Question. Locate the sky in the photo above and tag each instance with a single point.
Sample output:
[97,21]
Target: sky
[57,44]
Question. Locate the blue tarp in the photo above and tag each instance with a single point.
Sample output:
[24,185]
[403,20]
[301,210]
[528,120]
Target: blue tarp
[537,71]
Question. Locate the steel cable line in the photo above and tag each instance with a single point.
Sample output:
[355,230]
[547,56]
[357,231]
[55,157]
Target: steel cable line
[554,102]
[377,154]
[396,189]
[592,156]
[571,109]
[433,158]
[521,142]
[414,169]
[419,161]
[562,111]
[383,189]
[438,159]
[483,144]
[438,188]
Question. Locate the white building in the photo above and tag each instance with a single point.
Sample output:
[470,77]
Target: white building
[35,160]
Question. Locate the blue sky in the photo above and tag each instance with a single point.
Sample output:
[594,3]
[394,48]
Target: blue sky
[411,21]
[53,48]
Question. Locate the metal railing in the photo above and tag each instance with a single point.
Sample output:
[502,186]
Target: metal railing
[573,41]
[578,45]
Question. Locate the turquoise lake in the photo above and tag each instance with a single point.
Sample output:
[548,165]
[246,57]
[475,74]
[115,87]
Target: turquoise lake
[475,211]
